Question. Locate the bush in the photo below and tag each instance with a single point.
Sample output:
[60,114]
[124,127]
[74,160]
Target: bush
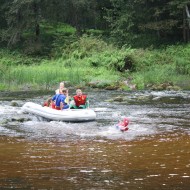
[182,66]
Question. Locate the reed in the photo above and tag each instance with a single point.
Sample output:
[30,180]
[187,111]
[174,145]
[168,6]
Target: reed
[51,73]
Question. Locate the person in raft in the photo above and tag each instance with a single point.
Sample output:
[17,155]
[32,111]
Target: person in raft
[47,103]
[59,100]
[79,101]
[61,87]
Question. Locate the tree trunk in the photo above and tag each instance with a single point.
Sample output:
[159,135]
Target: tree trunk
[184,26]
[187,24]
[37,28]
[188,15]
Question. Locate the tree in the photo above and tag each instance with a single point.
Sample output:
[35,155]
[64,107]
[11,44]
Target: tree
[180,9]
[21,16]
[186,24]
[129,19]
[122,17]
[81,14]
[25,16]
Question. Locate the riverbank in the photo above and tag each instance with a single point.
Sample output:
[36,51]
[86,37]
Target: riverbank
[94,63]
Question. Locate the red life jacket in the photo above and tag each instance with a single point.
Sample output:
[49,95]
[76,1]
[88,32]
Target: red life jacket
[80,100]
[45,104]
[57,108]
[53,105]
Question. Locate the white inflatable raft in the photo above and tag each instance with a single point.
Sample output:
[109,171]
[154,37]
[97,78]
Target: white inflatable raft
[59,115]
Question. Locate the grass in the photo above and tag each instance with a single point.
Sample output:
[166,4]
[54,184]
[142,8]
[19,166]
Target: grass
[90,59]
[170,64]
[50,73]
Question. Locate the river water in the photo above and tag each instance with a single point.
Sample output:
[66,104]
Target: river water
[153,154]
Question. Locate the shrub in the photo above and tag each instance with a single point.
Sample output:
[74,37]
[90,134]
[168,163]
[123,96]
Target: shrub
[182,66]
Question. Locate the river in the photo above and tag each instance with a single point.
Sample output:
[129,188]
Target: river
[153,154]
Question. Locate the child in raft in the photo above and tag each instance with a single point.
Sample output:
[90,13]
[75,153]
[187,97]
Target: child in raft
[61,87]
[79,101]
[59,101]
[47,103]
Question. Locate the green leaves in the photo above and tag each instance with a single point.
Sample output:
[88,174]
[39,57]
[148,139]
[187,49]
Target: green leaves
[163,19]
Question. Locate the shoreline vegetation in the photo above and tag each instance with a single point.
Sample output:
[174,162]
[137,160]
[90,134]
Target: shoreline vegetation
[113,46]
[90,61]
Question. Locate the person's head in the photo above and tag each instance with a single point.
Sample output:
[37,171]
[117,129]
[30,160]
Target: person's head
[61,85]
[79,92]
[64,91]
[49,101]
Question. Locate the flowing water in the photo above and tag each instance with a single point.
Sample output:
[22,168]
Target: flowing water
[153,154]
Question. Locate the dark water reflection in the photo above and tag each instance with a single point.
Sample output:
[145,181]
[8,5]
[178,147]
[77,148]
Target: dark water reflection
[153,154]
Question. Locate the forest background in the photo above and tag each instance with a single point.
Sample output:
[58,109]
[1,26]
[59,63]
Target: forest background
[110,44]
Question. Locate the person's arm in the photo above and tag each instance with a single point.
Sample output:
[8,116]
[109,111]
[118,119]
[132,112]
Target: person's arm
[87,103]
[61,105]
[72,103]
[67,97]
[52,103]
[54,97]
[57,91]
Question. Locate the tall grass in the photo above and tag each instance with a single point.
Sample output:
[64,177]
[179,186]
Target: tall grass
[50,73]
[90,59]
[170,64]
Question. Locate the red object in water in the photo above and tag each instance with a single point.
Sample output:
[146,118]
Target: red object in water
[123,125]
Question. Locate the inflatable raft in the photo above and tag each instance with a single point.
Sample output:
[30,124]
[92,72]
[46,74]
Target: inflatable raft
[73,115]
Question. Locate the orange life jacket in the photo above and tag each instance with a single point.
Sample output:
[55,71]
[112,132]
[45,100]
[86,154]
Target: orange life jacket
[80,100]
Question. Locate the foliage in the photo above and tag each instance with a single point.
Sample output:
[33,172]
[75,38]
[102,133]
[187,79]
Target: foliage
[49,74]
[96,53]
[21,16]
[182,66]
[73,68]
[91,60]
[161,19]
[15,58]
[133,22]
[170,64]
[85,47]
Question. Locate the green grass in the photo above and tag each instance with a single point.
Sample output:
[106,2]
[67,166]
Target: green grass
[90,59]
[57,28]
[170,64]
[49,73]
